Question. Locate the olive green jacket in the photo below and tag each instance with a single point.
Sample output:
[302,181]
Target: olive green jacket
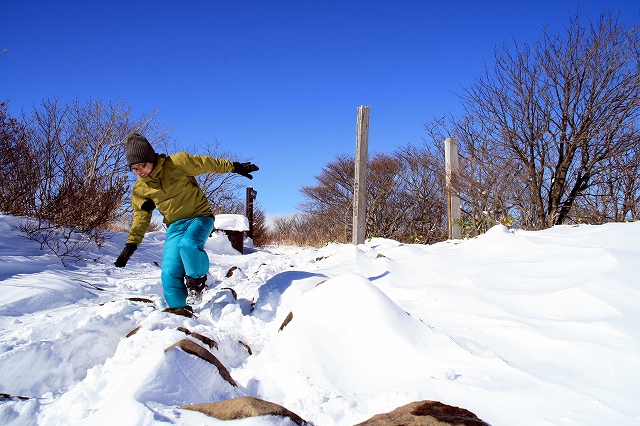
[172,188]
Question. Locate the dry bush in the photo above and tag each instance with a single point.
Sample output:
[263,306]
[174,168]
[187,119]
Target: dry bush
[260,230]
[297,230]
[19,175]
[77,176]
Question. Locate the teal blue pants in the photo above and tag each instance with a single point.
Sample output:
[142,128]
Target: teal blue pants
[184,254]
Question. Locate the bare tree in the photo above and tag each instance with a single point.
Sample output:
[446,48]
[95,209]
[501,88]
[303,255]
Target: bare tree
[615,195]
[491,186]
[421,184]
[387,206]
[221,189]
[332,198]
[551,119]
[260,230]
[403,199]
[82,174]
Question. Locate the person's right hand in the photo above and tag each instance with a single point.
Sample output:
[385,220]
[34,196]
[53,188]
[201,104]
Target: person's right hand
[122,260]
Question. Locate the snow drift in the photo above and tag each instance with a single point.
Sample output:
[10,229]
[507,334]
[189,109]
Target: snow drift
[527,328]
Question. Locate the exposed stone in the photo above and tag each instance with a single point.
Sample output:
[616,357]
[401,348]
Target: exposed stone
[233,292]
[286,321]
[141,299]
[204,339]
[8,396]
[179,311]
[231,271]
[247,347]
[134,331]
[243,407]
[425,413]
[258,270]
[195,349]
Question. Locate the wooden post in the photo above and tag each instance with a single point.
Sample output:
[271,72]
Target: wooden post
[360,176]
[452,168]
[251,195]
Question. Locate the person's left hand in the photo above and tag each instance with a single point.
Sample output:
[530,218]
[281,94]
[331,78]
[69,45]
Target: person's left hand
[244,169]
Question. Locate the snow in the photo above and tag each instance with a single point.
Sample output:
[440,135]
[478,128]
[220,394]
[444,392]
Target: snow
[231,222]
[527,328]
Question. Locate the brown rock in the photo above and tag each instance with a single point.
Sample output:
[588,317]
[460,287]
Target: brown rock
[204,339]
[141,299]
[134,331]
[233,292]
[286,321]
[243,407]
[231,271]
[247,347]
[179,311]
[8,396]
[193,348]
[425,413]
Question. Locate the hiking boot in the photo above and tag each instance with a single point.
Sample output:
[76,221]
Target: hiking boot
[194,288]
[197,284]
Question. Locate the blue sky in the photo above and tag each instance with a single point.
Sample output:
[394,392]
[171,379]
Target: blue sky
[274,82]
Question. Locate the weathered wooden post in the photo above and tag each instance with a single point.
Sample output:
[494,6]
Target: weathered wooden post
[452,167]
[360,176]
[251,195]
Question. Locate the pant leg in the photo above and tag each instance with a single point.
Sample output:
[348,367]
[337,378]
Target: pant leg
[194,258]
[175,291]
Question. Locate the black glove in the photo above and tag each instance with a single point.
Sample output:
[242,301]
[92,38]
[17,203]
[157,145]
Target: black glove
[244,169]
[122,260]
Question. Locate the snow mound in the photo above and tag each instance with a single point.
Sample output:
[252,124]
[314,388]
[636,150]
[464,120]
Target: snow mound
[349,335]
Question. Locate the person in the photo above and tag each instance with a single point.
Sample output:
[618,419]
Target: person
[168,184]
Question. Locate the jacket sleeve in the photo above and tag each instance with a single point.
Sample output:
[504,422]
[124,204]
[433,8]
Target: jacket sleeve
[195,165]
[141,218]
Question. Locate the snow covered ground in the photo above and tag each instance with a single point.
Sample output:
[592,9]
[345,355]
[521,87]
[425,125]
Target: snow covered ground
[521,328]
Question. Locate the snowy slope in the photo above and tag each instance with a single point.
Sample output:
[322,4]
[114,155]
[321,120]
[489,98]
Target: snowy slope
[526,328]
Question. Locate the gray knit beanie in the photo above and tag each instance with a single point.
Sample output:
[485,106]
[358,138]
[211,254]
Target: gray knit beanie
[139,150]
